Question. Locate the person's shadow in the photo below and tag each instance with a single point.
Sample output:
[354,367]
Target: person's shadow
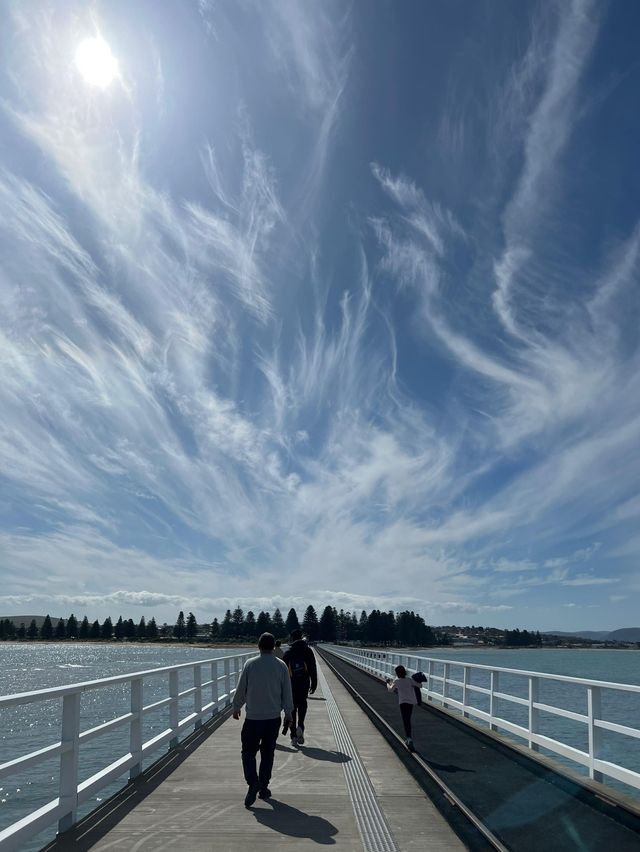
[324,754]
[288,820]
[285,748]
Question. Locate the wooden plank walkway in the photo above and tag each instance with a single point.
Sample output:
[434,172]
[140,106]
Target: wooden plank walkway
[194,798]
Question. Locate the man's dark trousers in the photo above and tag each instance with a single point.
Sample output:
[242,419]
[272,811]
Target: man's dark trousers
[259,734]
[300,692]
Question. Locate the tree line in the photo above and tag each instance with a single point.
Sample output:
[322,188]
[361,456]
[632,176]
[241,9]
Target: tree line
[375,627]
[520,638]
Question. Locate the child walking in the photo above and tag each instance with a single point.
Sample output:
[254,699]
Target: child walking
[406,689]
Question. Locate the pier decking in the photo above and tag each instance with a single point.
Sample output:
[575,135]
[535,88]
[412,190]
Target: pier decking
[346,787]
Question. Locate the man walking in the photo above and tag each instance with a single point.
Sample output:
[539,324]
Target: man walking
[301,662]
[265,686]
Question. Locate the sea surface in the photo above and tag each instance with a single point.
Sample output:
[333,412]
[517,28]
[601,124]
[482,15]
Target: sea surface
[30,666]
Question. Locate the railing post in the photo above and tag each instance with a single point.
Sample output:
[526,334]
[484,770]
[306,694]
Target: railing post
[197,695]
[429,675]
[445,685]
[495,685]
[227,680]
[173,708]
[135,729]
[68,789]
[214,687]
[534,713]
[465,684]
[236,672]
[594,712]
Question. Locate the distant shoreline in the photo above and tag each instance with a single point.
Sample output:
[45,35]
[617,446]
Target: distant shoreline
[434,651]
[124,644]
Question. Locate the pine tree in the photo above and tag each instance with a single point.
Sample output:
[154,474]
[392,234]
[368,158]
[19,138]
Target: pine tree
[72,627]
[94,630]
[373,626]
[152,629]
[291,622]
[250,628]
[46,631]
[353,628]
[263,623]
[310,623]
[328,625]
[129,629]
[237,622]
[60,631]
[106,632]
[32,630]
[191,627]
[362,626]
[180,629]
[21,632]
[215,630]
[226,628]
[341,626]
[277,624]
[83,632]
[141,629]
[118,630]
[389,627]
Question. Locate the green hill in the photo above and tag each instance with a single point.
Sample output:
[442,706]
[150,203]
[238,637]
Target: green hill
[625,634]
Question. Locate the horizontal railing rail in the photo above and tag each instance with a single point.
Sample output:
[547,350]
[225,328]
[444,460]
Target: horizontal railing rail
[207,697]
[458,674]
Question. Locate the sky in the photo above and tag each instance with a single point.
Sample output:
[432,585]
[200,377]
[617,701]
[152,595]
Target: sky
[321,302]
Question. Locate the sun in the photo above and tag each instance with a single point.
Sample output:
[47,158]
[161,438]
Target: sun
[96,63]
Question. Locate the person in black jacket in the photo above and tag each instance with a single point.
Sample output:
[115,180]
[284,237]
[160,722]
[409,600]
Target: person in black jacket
[301,662]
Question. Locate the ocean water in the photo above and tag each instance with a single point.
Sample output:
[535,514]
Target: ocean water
[30,666]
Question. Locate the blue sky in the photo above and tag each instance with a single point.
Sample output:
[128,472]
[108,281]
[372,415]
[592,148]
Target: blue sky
[321,302]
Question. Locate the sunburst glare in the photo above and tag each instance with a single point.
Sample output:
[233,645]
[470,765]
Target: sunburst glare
[96,63]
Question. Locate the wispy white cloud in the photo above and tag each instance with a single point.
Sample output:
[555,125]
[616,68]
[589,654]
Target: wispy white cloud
[200,398]
[550,125]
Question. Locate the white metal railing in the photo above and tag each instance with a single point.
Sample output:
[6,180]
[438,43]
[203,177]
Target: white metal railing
[222,677]
[382,663]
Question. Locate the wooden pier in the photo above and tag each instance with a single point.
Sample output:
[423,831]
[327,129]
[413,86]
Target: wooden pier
[345,787]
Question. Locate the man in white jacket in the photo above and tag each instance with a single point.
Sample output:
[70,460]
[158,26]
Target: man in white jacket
[265,687]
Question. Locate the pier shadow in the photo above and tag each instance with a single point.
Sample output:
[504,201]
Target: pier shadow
[324,754]
[286,819]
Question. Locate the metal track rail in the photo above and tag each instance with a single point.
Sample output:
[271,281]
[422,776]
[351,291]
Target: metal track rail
[395,737]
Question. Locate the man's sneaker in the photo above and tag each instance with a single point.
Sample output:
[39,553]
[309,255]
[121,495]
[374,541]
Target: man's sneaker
[300,735]
[294,741]
[265,793]
[409,744]
[252,792]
